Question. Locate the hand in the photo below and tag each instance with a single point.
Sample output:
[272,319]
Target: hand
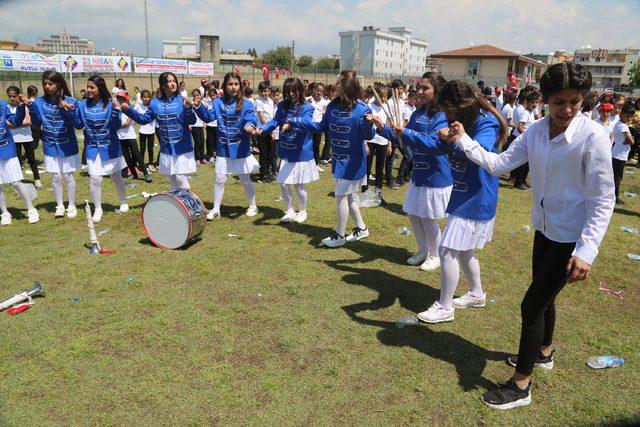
[259,131]
[124,106]
[115,103]
[285,127]
[66,106]
[250,129]
[367,149]
[397,130]
[187,102]
[24,100]
[577,269]
[457,131]
[389,149]
[368,117]
[377,121]
[196,103]
[445,136]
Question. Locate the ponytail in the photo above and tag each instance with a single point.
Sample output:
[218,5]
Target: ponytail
[504,128]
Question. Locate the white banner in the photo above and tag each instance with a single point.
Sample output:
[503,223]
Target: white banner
[201,68]
[12,60]
[95,63]
[159,65]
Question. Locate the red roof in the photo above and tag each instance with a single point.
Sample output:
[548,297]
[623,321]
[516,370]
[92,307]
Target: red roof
[482,50]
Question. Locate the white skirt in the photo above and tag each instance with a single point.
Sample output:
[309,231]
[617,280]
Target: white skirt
[10,171]
[349,186]
[229,166]
[298,172]
[462,234]
[99,168]
[184,163]
[427,202]
[60,164]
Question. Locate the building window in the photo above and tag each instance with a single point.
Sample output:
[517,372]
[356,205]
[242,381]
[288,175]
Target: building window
[472,67]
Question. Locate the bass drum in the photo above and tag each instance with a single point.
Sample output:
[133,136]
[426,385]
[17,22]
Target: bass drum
[174,218]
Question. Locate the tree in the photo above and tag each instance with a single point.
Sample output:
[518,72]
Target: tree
[328,63]
[634,75]
[252,52]
[305,61]
[279,57]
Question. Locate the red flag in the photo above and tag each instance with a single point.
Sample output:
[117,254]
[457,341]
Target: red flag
[265,73]
[244,65]
[291,72]
[277,73]
[236,69]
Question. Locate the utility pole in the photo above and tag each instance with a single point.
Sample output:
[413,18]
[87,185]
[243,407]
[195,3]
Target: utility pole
[293,53]
[146,34]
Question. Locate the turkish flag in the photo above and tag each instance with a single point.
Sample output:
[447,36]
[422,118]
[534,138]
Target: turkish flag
[236,69]
[265,73]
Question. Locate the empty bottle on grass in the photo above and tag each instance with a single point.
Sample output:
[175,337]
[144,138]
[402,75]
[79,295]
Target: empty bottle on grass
[603,362]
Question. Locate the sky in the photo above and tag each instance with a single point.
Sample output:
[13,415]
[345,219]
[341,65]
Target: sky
[523,26]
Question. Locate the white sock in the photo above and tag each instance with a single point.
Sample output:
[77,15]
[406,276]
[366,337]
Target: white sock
[120,185]
[181,181]
[71,188]
[95,188]
[432,235]
[218,191]
[287,198]
[56,184]
[449,276]
[172,181]
[471,267]
[302,197]
[249,189]
[354,211]
[22,191]
[343,214]
[418,232]
[3,200]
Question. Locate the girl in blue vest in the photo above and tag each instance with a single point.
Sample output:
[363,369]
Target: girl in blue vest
[55,113]
[173,114]
[298,166]
[10,170]
[236,123]
[472,206]
[101,121]
[431,183]
[346,123]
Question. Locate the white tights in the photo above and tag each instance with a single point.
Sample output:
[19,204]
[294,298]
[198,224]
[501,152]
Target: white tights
[218,190]
[95,187]
[56,184]
[427,232]
[347,206]
[287,197]
[179,181]
[450,274]
[22,191]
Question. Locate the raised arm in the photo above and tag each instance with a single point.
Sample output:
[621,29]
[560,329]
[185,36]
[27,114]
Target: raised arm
[205,114]
[366,127]
[308,125]
[142,119]
[428,141]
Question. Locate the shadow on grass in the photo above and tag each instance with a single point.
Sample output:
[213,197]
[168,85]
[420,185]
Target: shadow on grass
[627,212]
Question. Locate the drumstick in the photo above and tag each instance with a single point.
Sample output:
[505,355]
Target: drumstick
[384,105]
[396,100]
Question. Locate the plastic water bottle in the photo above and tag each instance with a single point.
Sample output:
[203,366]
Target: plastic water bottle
[602,362]
[403,321]
[404,230]
[131,279]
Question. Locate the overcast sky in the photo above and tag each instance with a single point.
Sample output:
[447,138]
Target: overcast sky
[519,25]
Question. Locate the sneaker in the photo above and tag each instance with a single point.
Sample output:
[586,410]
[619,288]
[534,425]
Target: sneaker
[97,215]
[467,300]
[28,172]
[357,234]
[124,207]
[252,211]
[417,258]
[211,215]
[288,217]
[147,178]
[508,395]
[521,186]
[72,212]
[5,218]
[334,240]
[436,314]
[33,215]
[59,211]
[393,185]
[320,169]
[151,168]
[37,183]
[543,362]
[430,264]
[83,167]
[300,217]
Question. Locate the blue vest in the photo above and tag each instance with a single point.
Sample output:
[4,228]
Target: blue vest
[101,126]
[173,120]
[348,131]
[232,140]
[58,134]
[296,145]
[7,145]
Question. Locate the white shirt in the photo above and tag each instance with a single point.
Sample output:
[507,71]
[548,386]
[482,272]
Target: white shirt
[527,118]
[608,126]
[149,128]
[127,132]
[198,124]
[184,94]
[115,91]
[266,107]
[138,98]
[500,101]
[507,114]
[208,102]
[319,108]
[516,118]
[21,133]
[571,177]
[408,111]
[378,111]
[620,150]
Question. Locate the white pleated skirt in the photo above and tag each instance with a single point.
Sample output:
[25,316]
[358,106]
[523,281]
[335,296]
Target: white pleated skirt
[61,164]
[462,234]
[298,172]
[229,166]
[182,164]
[427,202]
[349,186]
[98,167]
[10,171]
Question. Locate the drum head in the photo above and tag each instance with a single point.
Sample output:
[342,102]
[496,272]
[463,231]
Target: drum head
[165,221]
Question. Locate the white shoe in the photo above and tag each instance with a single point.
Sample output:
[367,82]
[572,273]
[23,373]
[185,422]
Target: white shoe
[83,167]
[320,169]
[431,263]
[436,314]
[34,216]
[468,300]
[300,217]
[97,215]
[37,183]
[124,207]
[334,240]
[211,215]
[288,217]
[59,211]
[417,258]
[72,211]
[357,234]
[28,172]
[5,218]
[252,211]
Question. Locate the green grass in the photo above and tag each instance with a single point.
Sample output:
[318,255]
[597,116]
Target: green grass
[268,328]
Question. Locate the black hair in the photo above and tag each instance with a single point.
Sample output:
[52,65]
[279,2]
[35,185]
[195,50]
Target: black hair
[194,91]
[565,75]
[437,81]
[15,89]
[509,96]
[124,87]
[228,77]
[629,108]
[264,85]
[144,92]
[396,83]
[105,95]
[216,84]
[163,80]
[533,95]
[58,80]
[617,97]
[480,82]
[288,85]
[248,92]
[32,91]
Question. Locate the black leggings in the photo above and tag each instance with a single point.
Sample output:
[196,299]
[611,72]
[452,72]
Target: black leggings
[618,173]
[326,148]
[380,153]
[267,156]
[538,308]
[317,138]
[146,143]
[30,150]
[198,142]
[212,132]
[132,156]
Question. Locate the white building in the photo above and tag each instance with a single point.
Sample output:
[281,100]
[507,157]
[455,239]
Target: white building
[609,68]
[65,43]
[183,48]
[372,52]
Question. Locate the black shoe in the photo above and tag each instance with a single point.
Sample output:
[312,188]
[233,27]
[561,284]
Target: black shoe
[542,362]
[273,177]
[520,186]
[526,185]
[393,185]
[148,178]
[400,182]
[620,202]
[508,395]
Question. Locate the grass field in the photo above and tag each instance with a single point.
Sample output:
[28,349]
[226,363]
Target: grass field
[269,328]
